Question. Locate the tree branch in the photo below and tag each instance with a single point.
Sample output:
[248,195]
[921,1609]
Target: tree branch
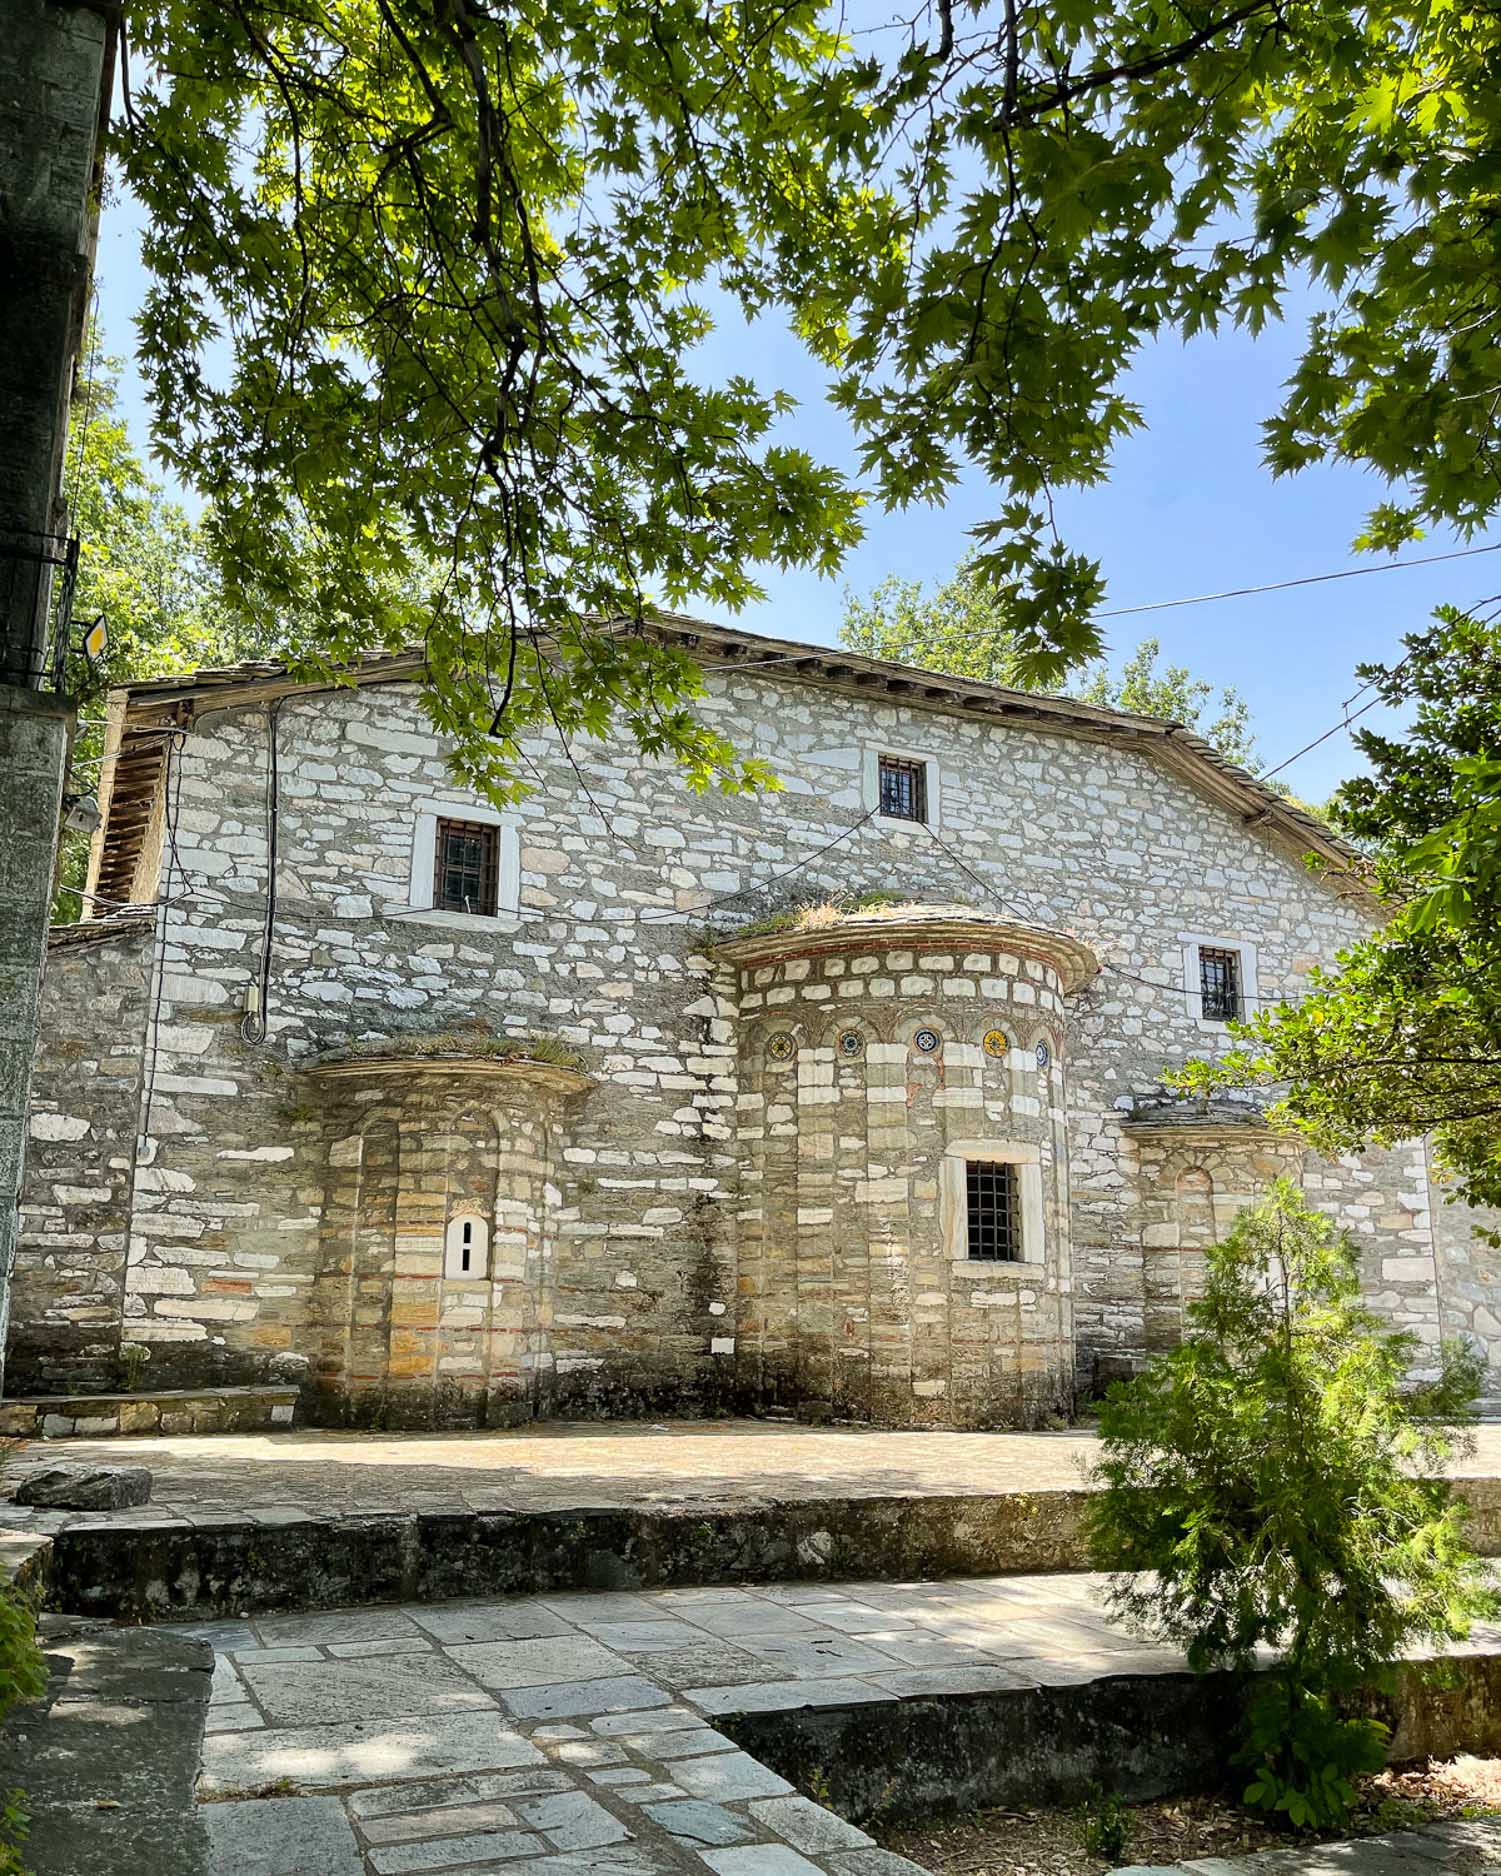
[1020,112]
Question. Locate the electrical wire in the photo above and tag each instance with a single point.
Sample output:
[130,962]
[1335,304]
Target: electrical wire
[1035,918]
[652,914]
[1306,579]
[745,892]
[894,653]
[255,1029]
[88,394]
[171,805]
[1263,775]
[1383,677]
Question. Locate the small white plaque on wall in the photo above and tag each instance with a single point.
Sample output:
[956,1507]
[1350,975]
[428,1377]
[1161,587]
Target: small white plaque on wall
[466,1247]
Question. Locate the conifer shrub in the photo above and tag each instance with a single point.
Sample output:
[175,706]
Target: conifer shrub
[1273,1484]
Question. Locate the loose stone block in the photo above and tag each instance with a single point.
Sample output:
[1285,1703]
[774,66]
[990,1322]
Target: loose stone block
[86,1488]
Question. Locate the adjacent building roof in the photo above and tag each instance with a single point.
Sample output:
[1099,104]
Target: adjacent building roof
[144,710]
[94,931]
[1194,1116]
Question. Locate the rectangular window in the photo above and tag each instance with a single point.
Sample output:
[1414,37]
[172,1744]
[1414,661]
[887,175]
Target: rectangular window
[466,868]
[903,789]
[1219,984]
[992,1194]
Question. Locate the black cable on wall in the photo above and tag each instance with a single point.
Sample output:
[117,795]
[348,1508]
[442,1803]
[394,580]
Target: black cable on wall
[254,1024]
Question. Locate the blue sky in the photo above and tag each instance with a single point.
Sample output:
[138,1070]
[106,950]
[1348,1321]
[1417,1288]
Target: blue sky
[1188,510]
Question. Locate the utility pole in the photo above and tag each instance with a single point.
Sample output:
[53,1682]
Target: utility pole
[56,75]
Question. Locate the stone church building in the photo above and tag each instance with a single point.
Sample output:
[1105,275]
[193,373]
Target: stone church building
[844,1100]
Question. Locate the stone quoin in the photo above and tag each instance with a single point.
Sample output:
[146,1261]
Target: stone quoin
[845,1100]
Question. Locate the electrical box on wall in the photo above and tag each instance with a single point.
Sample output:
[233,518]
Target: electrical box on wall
[466,1246]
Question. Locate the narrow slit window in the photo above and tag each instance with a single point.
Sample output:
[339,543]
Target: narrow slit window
[1219,984]
[994,1201]
[904,789]
[466,1240]
[466,868]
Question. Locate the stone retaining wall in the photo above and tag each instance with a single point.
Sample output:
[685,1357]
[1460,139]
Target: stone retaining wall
[1142,1736]
[159,1565]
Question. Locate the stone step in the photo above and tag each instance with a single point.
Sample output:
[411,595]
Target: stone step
[168,1563]
[163,1565]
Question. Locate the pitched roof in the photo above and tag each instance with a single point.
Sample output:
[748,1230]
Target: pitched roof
[144,708]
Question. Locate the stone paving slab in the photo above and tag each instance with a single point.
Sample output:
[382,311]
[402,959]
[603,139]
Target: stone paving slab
[108,1758]
[272,1837]
[358,1717]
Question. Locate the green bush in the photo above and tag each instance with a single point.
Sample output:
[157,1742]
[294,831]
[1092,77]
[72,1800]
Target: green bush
[15,1828]
[23,1673]
[23,1676]
[1271,1484]
[1107,1824]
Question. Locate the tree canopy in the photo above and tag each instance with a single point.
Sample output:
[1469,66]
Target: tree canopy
[1404,1038]
[143,565]
[463,257]
[964,627]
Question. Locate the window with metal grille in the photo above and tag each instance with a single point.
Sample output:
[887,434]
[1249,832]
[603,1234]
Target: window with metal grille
[466,868]
[1219,984]
[995,1224]
[904,789]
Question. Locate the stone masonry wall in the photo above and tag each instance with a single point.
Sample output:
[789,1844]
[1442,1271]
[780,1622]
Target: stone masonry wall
[68,1285]
[610,954]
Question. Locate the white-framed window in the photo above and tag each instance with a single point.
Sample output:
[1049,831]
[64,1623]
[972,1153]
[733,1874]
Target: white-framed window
[466,867]
[901,786]
[1219,979]
[466,1248]
[990,1202]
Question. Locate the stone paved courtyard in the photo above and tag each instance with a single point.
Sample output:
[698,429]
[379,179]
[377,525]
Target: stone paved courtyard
[559,1464]
[576,1734]
[568,1464]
